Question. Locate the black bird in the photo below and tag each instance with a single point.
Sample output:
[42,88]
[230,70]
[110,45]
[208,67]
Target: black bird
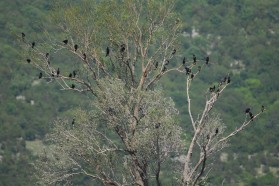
[156,64]
[262,109]
[22,36]
[157,125]
[84,56]
[47,54]
[52,73]
[229,80]
[188,70]
[40,75]
[28,60]
[251,116]
[107,54]
[73,86]
[199,68]
[216,131]
[194,59]
[212,89]
[167,62]
[58,72]
[208,136]
[247,110]
[76,47]
[184,61]
[192,76]
[122,49]
[65,41]
[164,69]
[70,75]
[73,122]
[74,73]
[174,51]
[206,60]
[33,44]
[225,79]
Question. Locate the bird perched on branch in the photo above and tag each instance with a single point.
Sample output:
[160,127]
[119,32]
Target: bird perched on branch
[22,36]
[194,59]
[247,110]
[184,61]
[262,109]
[174,51]
[164,68]
[74,73]
[84,56]
[65,41]
[40,75]
[70,75]
[207,60]
[57,72]
[75,47]
[33,44]
[216,131]
[28,60]
[107,52]
[229,79]
[192,76]
[73,86]
[251,115]
[122,48]
[212,89]
[47,55]
[156,64]
[188,70]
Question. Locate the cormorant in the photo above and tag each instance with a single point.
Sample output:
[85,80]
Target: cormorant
[107,51]
[156,64]
[73,86]
[174,51]
[52,73]
[192,76]
[208,136]
[184,61]
[74,73]
[216,131]
[28,60]
[40,75]
[247,110]
[47,54]
[251,115]
[229,80]
[262,109]
[58,72]
[122,49]
[194,59]
[157,125]
[65,41]
[73,122]
[188,70]
[167,62]
[33,44]
[70,75]
[84,56]
[76,47]
[206,60]
[225,79]
[22,36]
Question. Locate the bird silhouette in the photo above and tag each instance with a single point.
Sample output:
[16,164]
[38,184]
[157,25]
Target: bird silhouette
[207,60]
[247,110]
[174,51]
[76,47]
[107,53]
[194,59]
[73,86]
[251,115]
[74,73]
[47,55]
[122,49]
[262,109]
[40,75]
[33,44]
[73,121]
[229,79]
[184,61]
[164,69]
[188,70]
[156,64]
[58,72]
[84,56]
[192,75]
[70,75]
[216,131]
[28,60]
[22,36]
[65,41]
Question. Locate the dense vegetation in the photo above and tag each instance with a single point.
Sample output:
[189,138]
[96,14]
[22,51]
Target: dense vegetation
[240,36]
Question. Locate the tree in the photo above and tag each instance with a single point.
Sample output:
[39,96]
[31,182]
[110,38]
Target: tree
[117,52]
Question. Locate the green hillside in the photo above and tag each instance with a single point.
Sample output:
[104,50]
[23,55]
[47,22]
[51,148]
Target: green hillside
[241,37]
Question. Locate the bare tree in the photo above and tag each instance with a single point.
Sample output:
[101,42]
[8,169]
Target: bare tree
[118,51]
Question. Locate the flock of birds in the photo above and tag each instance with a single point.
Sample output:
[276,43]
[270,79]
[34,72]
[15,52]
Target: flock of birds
[188,71]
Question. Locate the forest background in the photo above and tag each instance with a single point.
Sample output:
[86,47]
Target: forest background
[242,37]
